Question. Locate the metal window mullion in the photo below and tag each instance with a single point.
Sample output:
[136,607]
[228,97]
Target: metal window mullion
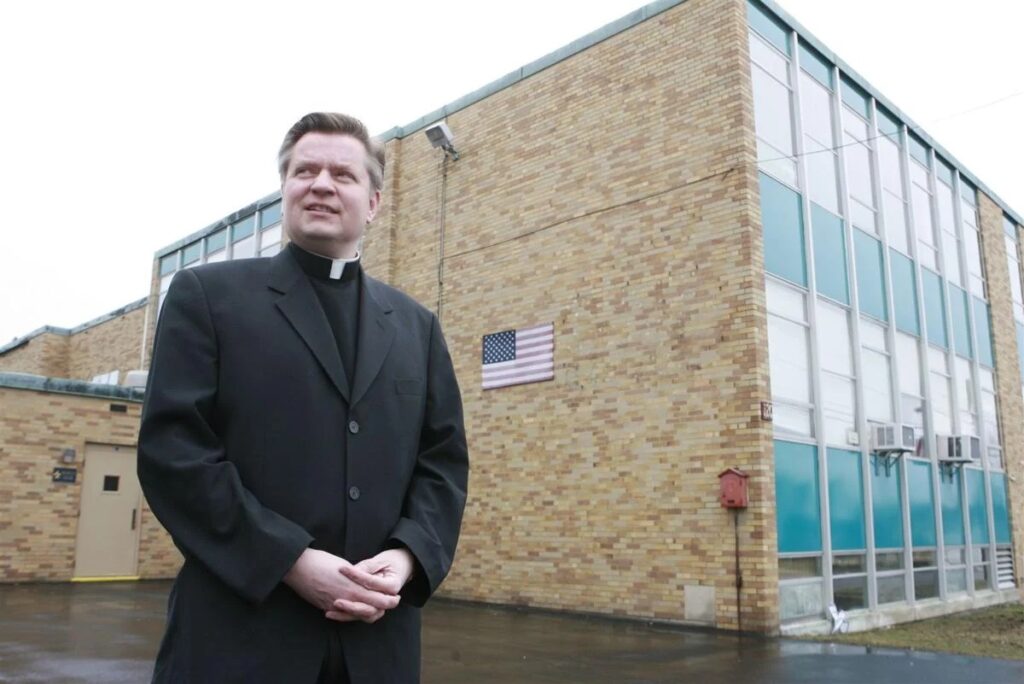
[929,423]
[954,402]
[812,318]
[965,521]
[858,384]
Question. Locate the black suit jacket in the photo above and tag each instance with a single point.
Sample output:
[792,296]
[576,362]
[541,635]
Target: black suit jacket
[254,445]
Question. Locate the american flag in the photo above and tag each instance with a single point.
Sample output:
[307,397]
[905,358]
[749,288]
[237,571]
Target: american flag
[516,357]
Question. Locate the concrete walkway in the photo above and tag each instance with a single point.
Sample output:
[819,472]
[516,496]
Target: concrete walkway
[110,633]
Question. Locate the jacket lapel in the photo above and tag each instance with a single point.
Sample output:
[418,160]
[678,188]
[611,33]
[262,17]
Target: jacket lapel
[376,333]
[299,304]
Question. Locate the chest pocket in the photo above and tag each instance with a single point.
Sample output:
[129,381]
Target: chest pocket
[409,386]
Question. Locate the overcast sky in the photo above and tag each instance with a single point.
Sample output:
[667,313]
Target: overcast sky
[126,126]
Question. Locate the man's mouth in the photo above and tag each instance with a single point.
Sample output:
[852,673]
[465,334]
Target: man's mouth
[322,208]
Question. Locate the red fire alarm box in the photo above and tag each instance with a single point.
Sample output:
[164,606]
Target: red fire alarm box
[733,488]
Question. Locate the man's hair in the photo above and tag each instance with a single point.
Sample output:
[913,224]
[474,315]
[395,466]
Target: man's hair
[342,124]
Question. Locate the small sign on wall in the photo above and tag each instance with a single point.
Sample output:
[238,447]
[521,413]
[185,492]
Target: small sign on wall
[766,411]
[65,475]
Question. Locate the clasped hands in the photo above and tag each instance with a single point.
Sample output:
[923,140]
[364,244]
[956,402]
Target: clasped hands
[346,592]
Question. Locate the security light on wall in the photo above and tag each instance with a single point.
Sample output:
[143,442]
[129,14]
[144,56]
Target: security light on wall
[441,136]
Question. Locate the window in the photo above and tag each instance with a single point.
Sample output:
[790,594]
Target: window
[947,228]
[783,231]
[819,143]
[972,240]
[941,396]
[981,563]
[270,241]
[855,98]
[904,293]
[837,377]
[965,397]
[773,116]
[190,255]
[922,525]
[875,367]
[958,306]
[924,227]
[168,266]
[908,366]
[216,246]
[859,176]
[769,27]
[270,214]
[894,204]
[846,524]
[798,518]
[887,510]
[990,416]
[111,378]
[934,309]
[789,359]
[829,254]
[242,238]
[983,333]
[870,285]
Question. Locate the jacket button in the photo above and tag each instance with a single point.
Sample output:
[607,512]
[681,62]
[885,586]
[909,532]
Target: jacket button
[353,427]
[353,493]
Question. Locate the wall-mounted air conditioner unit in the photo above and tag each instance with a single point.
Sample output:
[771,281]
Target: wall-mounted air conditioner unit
[893,437]
[953,448]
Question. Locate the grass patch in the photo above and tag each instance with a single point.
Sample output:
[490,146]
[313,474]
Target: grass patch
[995,632]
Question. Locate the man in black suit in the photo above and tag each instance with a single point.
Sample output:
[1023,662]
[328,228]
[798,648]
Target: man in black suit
[302,441]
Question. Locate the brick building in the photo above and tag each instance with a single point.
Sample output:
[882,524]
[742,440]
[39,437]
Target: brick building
[751,259]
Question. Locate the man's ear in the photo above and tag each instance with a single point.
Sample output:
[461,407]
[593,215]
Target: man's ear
[374,206]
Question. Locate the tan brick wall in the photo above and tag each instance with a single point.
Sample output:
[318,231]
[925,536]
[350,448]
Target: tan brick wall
[1008,385]
[612,194]
[39,518]
[45,354]
[111,345]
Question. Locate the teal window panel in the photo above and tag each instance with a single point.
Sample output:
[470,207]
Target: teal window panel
[918,150]
[169,263]
[922,510]
[1020,349]
[765,23]
[983,330]
[886,504]
[829,254]
[191,253]
[968,192]
[846,500]
[952,509]
[796,497]
[1009,227]
[1000,513]
[934,308]
[270,215]
[958,304]
[855,98]
[944,171]
[870,285]
[888,124]
[784,253]
[243,228]
[904,293]
[817,66]
[976,507]
[216,242]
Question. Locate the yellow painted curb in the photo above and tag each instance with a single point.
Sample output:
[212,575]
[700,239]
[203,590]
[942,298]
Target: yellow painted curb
[106,579]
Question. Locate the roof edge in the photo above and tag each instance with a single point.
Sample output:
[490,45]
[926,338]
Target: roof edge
[81,388]
[67,332]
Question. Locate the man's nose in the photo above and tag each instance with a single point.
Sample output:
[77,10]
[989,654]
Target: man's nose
[322,182]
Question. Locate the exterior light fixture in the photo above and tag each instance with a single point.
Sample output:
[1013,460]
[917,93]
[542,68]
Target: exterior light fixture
[441,136]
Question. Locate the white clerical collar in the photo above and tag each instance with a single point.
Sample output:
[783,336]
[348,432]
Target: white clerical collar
[337,265]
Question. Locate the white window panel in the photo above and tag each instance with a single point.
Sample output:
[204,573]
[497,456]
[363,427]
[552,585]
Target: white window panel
[889,163]
[872,335]
[908,364]
[858,172]
[785,301]
[944,201]
[855,126]
[942,410]
[788,360]
[766,56]
[794,420]
[918,175]
[219,255]
[895,210]
[837,407]
[912,409]
[968,213]
[1013,268]
[951,258]
[822,177]
[834,338]
[972,249]
[772,111]
[816,111]
[877,387]
[965,397]
[862,216]
[165,282]
[244,249]
[271,250]
[776,163]
[270,237]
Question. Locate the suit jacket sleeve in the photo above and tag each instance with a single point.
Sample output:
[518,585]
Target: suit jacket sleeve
[434,502]
[193,489]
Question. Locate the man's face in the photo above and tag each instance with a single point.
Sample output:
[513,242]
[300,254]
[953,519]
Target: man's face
[328,199]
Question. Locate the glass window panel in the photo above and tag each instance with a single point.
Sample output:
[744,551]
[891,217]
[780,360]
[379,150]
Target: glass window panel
[918,150]
[270,250]
[877,390]
[783,231]
[822,177]
[951,258]
[165,282]
[271,214]
[862,216]
[773,118]
[829,254]
[785,301]
[216,241]
[1013,268]
[850,593]
[887,506]
[768,58]
[858,172]
[169,263]
[1010,228]
[887,123]
[891,589]
[983,331]
[961,325]
[980,577]
[978,510]
[870,286]
[856,129]
[792,420]
[776,163]
[934,308]
[904,291]
[943,171]
[955,555]
[191,254]
[243,229]
[968,192]
[956,581]
[217,256]
[889,560]
[837,408]
[846,510]
[816,65]
[965,385]
[926,584]
[855,98]
[768,26]
[798,513]
[889,164]
[972,249]
[908,363]
[925,558]
[796,568]
[1000,512]
[942,414]
[244,249]
[922,510]
[895,211]
[968,214]
[270,237]
[944,201]
[849,564]
[788,360]
[834,338]
[816,111]
[912,409]
[872,335]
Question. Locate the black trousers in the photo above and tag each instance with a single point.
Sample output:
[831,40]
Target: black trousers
[333,670]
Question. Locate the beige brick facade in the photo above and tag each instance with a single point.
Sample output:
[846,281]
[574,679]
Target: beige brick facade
[1008,383]
[38,517]
[44,354]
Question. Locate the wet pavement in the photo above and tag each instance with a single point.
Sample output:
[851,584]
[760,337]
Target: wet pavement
[110,633]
